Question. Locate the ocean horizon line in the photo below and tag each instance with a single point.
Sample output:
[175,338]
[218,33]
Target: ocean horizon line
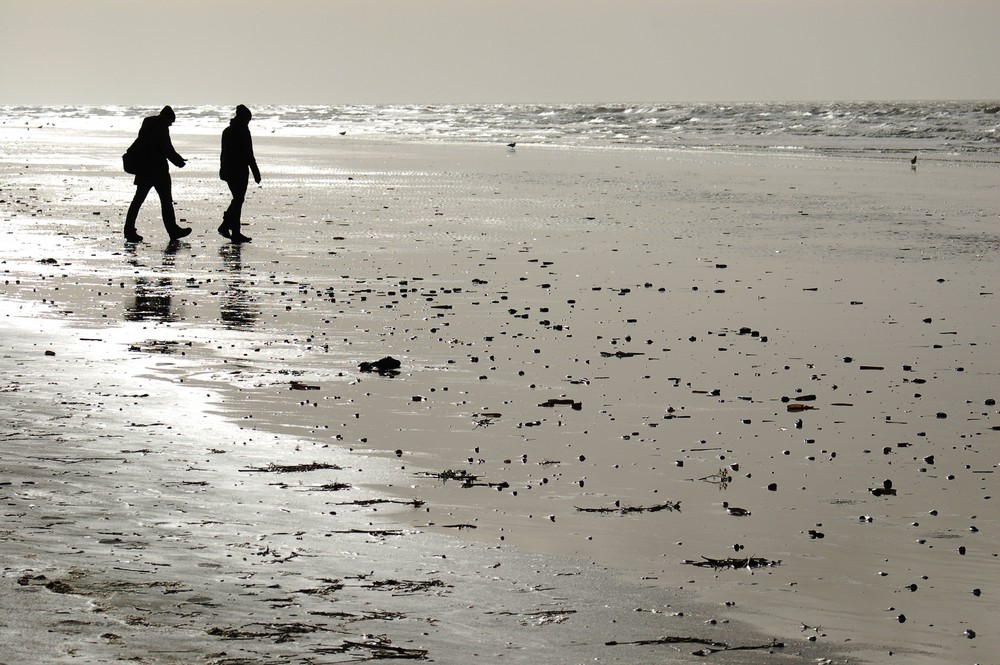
[948,129]
[817,100]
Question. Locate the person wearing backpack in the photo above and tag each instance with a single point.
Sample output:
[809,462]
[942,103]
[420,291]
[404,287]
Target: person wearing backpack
[147,159]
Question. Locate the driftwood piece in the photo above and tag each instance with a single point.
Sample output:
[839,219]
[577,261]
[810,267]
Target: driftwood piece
[293,468]
[450,474]
[416,503]
[773,644]
[379,647]
[539,617]
[468,479]
[712,646]
[670,639]
[372,532]
[407,586]
[328,487]
[329,586]
[401,587]
[279,632]
[627,510]
[503,484]
[75,460]
[363,616]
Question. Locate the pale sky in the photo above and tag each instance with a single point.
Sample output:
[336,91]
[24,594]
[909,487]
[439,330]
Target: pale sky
[181,52]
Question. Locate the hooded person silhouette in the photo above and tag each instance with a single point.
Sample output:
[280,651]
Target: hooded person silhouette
[149,155]
[236,158]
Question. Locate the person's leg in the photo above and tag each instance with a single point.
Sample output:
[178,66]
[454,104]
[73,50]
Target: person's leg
[224,230]
[141,190]
[163,189]
[238,188]
[235,205]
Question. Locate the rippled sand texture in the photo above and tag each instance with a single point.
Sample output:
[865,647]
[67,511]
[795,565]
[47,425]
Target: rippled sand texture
[618,369]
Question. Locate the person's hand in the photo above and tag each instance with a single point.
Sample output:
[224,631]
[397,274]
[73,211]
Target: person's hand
[256,178]
[182,164]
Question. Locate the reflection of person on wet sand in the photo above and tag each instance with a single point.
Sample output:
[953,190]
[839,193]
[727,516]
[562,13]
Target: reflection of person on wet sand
[153,299]
[236,308]
[237,157]
[147,159]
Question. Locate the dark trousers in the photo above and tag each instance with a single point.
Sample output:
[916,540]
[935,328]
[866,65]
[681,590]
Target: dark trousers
[231,218]
[142,186]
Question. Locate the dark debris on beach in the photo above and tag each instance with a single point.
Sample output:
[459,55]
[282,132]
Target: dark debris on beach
[735,563]
[292,468]
[620,509]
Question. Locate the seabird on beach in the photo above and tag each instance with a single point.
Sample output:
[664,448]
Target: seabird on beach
[913,162]
[512,144]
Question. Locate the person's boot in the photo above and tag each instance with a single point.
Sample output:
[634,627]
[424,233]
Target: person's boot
[224,229]
[179,232]
[235,234]
[131,235]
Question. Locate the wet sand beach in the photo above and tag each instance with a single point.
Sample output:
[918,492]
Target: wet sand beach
[651,405]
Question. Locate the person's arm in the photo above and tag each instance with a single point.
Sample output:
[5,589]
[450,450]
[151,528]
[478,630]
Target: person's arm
[222,155]
[168,149]
[253,160]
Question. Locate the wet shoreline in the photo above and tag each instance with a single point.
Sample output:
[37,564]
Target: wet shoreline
[685,304]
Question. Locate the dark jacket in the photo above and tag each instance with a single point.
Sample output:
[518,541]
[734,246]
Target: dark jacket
[154,148]
[237,152]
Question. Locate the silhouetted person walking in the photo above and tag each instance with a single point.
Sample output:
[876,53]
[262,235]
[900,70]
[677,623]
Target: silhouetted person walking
[237,157]
[147,159]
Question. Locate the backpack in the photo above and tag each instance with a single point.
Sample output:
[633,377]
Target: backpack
[131,160]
